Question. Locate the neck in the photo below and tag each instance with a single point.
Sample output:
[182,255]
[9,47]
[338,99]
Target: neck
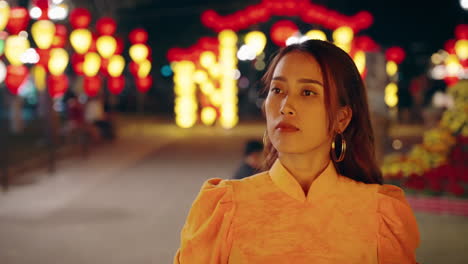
[305,167]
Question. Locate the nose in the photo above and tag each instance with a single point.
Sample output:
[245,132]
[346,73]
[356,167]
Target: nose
[287,108]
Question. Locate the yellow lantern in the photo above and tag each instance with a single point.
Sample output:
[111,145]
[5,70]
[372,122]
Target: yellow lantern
[343,35]
[391,98]
[461,48]
[227,37]
[4,14]
[15,46]
[43,32]
[360,61]
[81,40]
[200,76]
[391,68]
[106,46]
[91,64]
[139,53]
[207,59]
[116,65]
[256,40]
[144,69]
[58,61]
[208,115]
[453,65]
[316,34]
[39,76]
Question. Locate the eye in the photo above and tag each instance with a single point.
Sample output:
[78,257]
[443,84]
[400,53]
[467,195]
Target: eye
[276,90]
[308,93]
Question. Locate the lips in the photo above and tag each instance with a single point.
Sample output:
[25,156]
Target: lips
[286,127]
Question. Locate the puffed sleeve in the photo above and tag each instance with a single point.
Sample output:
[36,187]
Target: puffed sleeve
[398,235]
[205,237]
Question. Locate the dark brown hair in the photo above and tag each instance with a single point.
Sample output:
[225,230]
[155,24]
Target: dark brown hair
[343,86]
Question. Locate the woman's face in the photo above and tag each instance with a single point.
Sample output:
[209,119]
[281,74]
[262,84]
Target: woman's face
[295,107]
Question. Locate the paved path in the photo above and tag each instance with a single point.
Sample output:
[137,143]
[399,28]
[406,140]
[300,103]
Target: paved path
[128,201]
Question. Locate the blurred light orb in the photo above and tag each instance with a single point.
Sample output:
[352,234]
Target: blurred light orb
[391,68]
[58,61]
[397,144]
[208,115]
[256,40]
[166,71]
[316,34]
[461,48]
[3,71]
[260,65]
[58,12]
[343,35]
[35,12]
[436,58]
[30,56]
[228,38]
[438,72]
[207,59]
[116,65]
[464,4]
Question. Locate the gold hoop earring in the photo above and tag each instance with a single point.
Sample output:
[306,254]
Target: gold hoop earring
[265,136]
[343,148]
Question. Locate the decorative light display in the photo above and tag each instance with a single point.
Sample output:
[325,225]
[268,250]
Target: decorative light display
[58,61]
[43,32]
[215,80]
[81,40]
[15,46]
[4,14]
[395,56]
[18,20]
[451,64]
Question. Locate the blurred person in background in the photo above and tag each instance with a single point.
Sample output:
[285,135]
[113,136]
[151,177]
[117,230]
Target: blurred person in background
[252,160]
[321,198]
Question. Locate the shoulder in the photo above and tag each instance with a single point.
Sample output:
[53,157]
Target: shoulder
[398,234]
[391,194]
[216,189]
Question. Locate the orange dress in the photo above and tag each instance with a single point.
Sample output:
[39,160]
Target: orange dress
[266,218]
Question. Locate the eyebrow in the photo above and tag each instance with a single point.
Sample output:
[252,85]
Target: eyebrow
[303,80]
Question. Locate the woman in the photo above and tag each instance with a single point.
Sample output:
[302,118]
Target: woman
[321,199]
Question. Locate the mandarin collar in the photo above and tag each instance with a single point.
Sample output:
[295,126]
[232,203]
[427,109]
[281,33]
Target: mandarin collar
[323,185]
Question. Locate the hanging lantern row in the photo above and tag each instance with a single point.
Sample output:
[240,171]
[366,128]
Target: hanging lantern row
[308,12]
[95,53]
[451,63]
[140,53]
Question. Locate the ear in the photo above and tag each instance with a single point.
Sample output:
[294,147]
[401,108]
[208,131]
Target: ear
[344,117]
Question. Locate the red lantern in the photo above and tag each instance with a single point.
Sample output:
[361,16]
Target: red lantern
[44,6]
[464,63]
[209,18]
[116,84]
[92,85]
[120,45]
[449,46]
[60,38]
[44,56]
[16,75]
[281,31]
[133,67]
[104,65]
[144,84]
[138,35]
[395,54]
[173,54]
[106,26]
[57,85]
[77,61]
[365,43]
[461,31]
[363,20]
[80,18]
[19,19]
[450,80]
